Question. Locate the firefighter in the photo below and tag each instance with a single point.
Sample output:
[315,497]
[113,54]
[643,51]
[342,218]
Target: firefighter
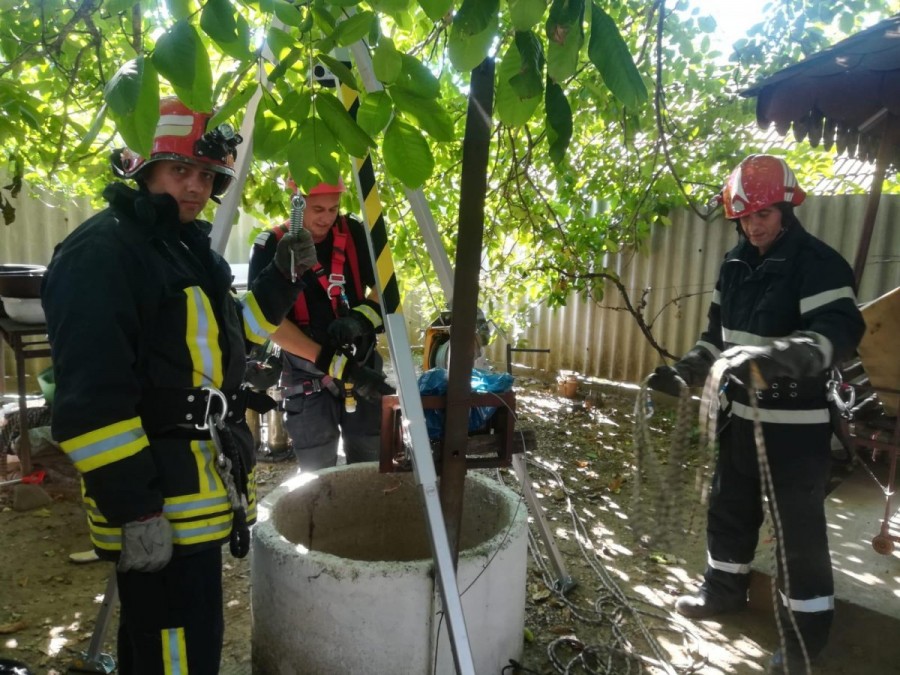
[332,379]
[148,348]
[786,302]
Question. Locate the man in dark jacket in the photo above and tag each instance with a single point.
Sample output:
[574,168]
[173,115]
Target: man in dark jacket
[332,378]
[784,301]
[148,346]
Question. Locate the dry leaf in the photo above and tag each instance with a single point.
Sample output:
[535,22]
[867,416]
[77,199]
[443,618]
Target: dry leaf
[14,627]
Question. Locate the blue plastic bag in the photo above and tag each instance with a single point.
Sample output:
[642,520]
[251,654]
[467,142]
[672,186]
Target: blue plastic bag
[434,383]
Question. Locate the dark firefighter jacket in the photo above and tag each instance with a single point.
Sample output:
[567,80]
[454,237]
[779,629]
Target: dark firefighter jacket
[321,313]
[138,309]
[801,286]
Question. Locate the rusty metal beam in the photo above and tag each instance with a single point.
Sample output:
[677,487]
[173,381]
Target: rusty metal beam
[473,188]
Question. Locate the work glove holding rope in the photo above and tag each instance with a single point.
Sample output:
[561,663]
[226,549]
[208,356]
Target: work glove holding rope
[368,383]
[146,544]
[795,357]
[304,253]
[666,380]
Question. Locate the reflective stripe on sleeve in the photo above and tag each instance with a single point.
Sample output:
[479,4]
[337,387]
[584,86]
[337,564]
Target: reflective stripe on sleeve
[813,416]
[371,315]
[743,338]
[813,302]
[257,328]
[190,532]
[717,297]
[824,603]
[731,568]
[106,445]
[337,365]
[710,347]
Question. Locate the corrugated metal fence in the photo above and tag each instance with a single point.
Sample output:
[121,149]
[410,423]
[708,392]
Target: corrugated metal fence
[679,269]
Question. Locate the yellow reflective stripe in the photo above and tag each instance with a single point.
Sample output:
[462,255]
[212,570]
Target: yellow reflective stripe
[202,338]
[199,531]
[337,365]
[192,506]
[93,511]
[174,652]
[251,497]
[205,457]
[256,327]
[106,445]
[107,538]
[371,315]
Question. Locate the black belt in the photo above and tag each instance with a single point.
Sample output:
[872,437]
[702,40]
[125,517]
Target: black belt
[169,408]
[311,386]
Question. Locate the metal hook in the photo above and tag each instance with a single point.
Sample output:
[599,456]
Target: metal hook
[213,393]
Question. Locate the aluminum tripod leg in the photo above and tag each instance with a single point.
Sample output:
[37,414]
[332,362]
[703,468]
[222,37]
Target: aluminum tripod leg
[93,661]
[426,479]
[564,582]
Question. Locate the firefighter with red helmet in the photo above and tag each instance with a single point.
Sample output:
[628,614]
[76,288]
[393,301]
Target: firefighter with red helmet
[148,345]
[784,301]
[332,379]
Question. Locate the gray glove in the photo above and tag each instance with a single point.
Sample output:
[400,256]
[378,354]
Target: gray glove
[146,544]
[793,357]
[304,250]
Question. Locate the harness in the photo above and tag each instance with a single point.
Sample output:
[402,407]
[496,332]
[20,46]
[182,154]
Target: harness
[333,283]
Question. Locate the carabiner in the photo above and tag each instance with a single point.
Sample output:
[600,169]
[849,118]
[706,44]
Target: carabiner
[213,393]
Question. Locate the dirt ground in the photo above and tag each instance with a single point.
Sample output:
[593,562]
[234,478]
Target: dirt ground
[582,470]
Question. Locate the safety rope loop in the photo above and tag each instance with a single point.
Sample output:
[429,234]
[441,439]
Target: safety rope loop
[756,383]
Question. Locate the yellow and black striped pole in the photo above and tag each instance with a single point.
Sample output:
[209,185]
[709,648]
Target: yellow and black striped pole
[373,214]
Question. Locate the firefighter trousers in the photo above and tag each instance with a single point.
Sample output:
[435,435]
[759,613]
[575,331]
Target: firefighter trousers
[171,621]
[799,459]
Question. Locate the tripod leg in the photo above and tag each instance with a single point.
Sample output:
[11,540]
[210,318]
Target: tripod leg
[564,582]
[93,661]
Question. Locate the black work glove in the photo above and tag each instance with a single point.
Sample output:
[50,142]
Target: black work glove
[304,250]
[347,329]
[368,383]
[667,380]
[794,357]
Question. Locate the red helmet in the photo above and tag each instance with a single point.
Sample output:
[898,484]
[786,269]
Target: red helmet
[320,189]
[181,135]
[757,183]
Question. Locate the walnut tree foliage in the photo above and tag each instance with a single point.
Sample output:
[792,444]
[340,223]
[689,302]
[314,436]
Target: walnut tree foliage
[607,113]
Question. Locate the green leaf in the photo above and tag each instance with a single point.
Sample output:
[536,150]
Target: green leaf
[279,42]
[271,134]
[374,112]
[93,132]
[427,112]
[474,16]
[436,9]
[417,76]
[133,98]
[288,12]
[386,61]
[467,51]
[313,155]
[512,110]
[181,58]
[339,69]
[524,14]
[295,106]
[237,102]
[528,82]
[406,154]
[231,33]
[609,53]
[565,37]
[354,140]
[559,121]
[179,9]
[355,28]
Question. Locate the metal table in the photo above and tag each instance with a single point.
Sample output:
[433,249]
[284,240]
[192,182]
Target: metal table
[27,341]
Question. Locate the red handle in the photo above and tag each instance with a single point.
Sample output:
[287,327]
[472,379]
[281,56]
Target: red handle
[35,477]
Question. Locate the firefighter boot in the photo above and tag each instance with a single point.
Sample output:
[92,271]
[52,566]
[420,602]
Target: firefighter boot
[705,605]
